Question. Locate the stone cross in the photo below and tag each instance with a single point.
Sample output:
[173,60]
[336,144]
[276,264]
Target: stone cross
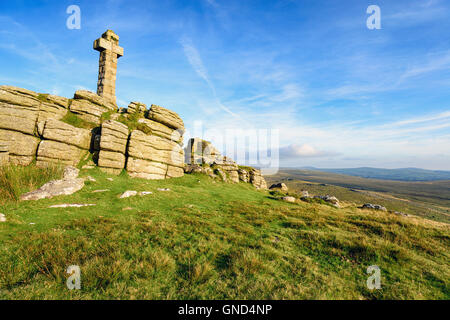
[108,45]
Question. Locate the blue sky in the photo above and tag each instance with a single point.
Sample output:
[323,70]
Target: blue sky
[340,95]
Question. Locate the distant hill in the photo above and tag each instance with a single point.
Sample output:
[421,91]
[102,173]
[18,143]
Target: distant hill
[404,174]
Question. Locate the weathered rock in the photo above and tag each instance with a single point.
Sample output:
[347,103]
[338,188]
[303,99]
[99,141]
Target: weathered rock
[58,152]
[221,174]
[55,188]
[304,194]
[111,162]
[19,91]
[289,199]
[70,173]
[4,154]
[330,199]
[128,194]
[18,112]
[195,168]
[174,172]
[257,180]
[62,132]
[200,151]
[137,107]
[279,186]
[2,217]
[95,99]
[90,106]
[88,111]
[146,169]
[163,189]
[114,136]
[52,107]
[73,205]
[144,193]
[398,213]
[22,147]
[113,144]
[161,130]
[155,149]
[373,207]
[165,116]
[100,191]
[233,176]
[243,175]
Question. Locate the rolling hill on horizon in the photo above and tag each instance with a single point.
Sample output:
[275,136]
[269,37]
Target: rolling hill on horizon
[401,174]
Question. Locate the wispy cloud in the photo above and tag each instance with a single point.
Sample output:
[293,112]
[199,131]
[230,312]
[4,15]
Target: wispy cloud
[196,62]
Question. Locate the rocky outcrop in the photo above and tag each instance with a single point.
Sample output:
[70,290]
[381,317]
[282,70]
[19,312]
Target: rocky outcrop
[113,147]
[153,157]
[279,186]
[146,143]
[65,133]
[66,186]
[90,106]
[160,130]
[166,117]
[244,175]
[257,180]
[52,107]
[373,207]
[289,199]
[137,108]
[202,152]
[63,143]
[19,109]
[58,153]
[22,147]
[330,199]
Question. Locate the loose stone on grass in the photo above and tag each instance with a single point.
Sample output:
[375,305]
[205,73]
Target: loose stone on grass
[71,205]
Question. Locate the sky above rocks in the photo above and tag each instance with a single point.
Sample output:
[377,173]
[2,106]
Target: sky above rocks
[336,93]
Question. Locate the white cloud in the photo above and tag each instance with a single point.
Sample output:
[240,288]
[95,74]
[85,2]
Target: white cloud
[294,151]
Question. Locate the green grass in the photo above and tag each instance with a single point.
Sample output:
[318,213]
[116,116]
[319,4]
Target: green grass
[74,120]
[43,97]
[210,240]
[16,180]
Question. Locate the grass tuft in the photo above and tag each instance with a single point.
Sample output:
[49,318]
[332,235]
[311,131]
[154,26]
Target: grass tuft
[16,180]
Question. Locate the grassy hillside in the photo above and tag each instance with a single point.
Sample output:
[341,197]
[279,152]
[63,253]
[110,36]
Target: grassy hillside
[428,199]
[210,240]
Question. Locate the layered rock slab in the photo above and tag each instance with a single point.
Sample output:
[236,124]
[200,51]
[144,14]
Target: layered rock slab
[90,106]
[19,109]
[153,157]
[113,145]
[21,147]
[166,117]
[58,152]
